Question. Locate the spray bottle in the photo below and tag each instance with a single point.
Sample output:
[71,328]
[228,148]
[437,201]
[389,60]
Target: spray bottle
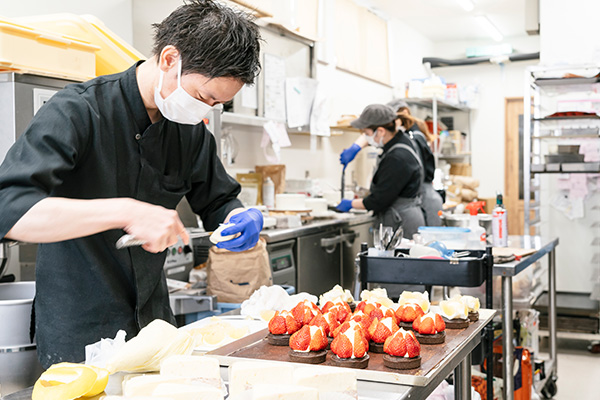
[477,236]
[499,223]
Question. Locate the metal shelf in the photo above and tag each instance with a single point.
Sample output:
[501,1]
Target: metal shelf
[571,168]
[454,156]
[566,118]
[441,105]
[545,82]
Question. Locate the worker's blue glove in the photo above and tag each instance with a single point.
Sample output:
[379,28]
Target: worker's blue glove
[249,223]
[349,154]
[344,206]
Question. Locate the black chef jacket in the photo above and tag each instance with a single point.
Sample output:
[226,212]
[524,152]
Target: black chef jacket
[425,152]
[95,140]
[398,175]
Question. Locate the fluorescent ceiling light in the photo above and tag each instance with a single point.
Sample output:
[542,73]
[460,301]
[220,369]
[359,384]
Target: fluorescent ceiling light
[489,28]
[467,5]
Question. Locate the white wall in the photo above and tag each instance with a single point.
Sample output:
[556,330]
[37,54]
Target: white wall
[496,82]
[116,14]
[569,34]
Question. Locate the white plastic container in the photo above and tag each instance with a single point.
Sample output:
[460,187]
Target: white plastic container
[290,202]
[453,237]
[268,193]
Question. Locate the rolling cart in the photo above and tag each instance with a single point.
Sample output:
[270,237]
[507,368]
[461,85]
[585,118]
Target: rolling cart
[465,272]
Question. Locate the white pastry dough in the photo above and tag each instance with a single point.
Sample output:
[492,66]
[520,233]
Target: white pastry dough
[216,235]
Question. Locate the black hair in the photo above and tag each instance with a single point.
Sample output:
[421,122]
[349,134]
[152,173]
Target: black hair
[213,40]
[390,127]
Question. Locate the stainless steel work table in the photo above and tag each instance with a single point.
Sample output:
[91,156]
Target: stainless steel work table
[542,246]
[315,226]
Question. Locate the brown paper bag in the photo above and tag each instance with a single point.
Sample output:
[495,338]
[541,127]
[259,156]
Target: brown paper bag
[233,277]
[277,174]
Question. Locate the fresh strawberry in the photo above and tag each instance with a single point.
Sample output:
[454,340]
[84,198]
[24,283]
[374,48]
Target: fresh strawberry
[364,321]
[426,326]
[342,312]
[332,322]
[300,340]
[440,325]
[291,324]
[376,313]
[390,313]
[318,341]
[304,312]
[360,306]
[395,345]
[321,322]
[413,347]
[409,312]
[277,325]
[361,344]
[327,306]
[341,346]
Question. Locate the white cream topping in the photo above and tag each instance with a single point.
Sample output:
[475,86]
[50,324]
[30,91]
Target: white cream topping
[335,295]
[378,295]
[422,299]
[387,322]
[453,309]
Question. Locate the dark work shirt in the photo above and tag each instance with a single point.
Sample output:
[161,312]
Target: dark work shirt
[95,140]
[425,152]
[398,175]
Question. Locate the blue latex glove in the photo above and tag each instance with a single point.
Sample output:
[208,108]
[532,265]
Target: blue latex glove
[349,154]
[344,206]
[249,223]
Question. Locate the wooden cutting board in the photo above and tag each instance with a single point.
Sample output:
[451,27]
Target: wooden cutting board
[509,251]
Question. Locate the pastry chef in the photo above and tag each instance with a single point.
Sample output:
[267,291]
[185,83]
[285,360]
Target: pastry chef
[431,199]
[115,155]
[395,188]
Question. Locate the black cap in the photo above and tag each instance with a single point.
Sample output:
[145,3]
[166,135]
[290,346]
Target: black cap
[374,115]
[397,104]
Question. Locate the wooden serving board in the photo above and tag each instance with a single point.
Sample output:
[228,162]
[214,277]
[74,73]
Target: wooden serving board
[433,357]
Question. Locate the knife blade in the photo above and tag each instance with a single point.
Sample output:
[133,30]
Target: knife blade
[128,240]
[343,181]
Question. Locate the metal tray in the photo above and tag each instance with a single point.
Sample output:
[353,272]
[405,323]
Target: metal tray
[467,271]
[433,357]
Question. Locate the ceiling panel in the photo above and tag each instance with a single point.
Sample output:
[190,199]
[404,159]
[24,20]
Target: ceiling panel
[445,20]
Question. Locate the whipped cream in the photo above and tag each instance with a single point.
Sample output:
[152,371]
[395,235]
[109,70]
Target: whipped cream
[453,309]
[422,299]
[336,295]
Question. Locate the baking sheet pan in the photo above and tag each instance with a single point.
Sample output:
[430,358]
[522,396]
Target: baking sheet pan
[433,357]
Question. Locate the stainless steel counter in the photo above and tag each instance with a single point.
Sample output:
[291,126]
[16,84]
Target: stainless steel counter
[315,226]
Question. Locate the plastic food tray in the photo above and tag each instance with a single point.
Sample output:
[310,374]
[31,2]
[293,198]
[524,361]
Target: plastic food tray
[24,49]
[467,271]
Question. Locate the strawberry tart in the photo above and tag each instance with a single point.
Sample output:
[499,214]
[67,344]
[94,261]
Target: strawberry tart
[350,347]
[455,314]
[407,313]
[379,331]
[430,329]
[402,350]
[281,326]
[308,345]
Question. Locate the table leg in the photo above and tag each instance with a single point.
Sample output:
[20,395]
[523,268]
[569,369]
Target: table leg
[552,308]
[507,338]
[462,379]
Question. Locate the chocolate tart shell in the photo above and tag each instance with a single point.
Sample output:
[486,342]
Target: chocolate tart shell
[278,340]
[359,363]
[375,347]
[406,325]
[311,357]
[438,338]
[458,323]
[401,362]
[474,316]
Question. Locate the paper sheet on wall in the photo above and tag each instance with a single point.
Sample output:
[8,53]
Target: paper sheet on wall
[250,96]
[274,81]
[299,96]
[321,111]
[276,134]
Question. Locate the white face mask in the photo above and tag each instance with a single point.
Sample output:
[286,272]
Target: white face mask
[371,140]
[180,106]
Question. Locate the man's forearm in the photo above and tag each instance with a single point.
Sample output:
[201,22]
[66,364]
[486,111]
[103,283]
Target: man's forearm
[55,219]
